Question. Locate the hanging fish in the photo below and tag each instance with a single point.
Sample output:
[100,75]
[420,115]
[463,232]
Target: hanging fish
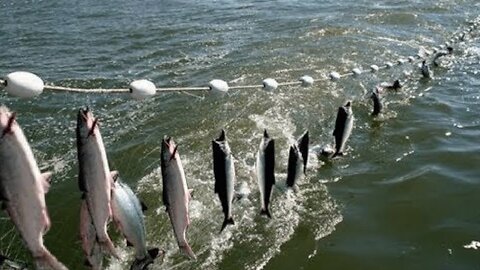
[426,71]
[343,128]
[224,171]
[23,189]
[377,102]
[95,178]
[265,166]
[175,193]
[128,216]
[297,159]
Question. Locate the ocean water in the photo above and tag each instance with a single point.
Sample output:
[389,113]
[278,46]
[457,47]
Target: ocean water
[405,196]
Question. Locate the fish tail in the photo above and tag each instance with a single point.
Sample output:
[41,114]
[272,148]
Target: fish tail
[265,212]
[47,261]
[140,264]
[227,221]
[341,154]
[188,251]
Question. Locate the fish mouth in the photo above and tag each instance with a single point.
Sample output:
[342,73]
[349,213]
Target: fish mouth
[8,128]
[349,103]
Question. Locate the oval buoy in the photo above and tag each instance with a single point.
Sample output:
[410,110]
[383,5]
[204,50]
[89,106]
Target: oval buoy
[334,76]
[388,65]
[142,89]
[374,68]
[270,84]
[23,84]
[306,81]
[356,71]
[218,86]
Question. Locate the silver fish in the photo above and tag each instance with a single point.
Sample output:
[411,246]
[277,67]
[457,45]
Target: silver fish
[294,166]
[426,71]
[377,102]
[297,158]
[22,190]
[224,171]
[265,169]
[175,193]
[91,247]
[128,215]
[343,128]
[95,178]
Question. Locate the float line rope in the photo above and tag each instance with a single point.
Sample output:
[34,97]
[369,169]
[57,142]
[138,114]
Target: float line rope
[332,76]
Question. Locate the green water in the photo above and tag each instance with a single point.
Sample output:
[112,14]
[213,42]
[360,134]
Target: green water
[403,198]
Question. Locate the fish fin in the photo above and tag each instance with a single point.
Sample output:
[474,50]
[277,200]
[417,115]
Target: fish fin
[107,247]
[174,152]
[265,134]
[87,263]
[188,251]
[46,179]
[144,206]
[45,260]
[222,136]
[8,129]
[265,212]
[227,221]
[115,176]
[129,244]
[191,192]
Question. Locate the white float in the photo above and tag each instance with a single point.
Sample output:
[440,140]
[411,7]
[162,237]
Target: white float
[306,81]
[374,68]
[270,84]
[334,76]
[401,61]
[142,89]
[388,64]
[23,84]
[218,86]
[411,59]
[356,71]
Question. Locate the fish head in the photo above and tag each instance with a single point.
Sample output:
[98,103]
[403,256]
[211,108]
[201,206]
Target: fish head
[169,149]
[347,109]
[7,122]
[87,124]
